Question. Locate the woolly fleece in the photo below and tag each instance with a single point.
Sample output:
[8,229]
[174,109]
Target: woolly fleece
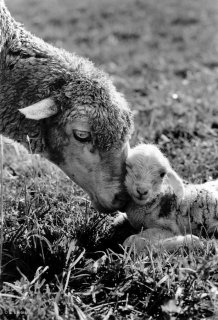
[32,70]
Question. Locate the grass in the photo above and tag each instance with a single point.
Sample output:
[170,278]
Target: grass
[163,55]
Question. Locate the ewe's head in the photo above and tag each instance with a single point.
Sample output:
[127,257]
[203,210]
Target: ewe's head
[147,168]
[86,131]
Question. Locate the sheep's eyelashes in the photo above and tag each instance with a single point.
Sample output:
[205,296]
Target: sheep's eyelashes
[82,136]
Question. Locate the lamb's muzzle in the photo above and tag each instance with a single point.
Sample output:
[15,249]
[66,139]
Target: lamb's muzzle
[69,109]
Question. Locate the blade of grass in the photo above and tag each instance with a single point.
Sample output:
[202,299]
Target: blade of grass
[1,209]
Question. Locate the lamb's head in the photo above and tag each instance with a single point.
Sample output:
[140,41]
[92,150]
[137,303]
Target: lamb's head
[147,170]
[86,127]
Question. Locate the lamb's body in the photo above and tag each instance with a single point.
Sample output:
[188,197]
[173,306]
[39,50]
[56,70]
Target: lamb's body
[196,213]
[73,114]
[167,210]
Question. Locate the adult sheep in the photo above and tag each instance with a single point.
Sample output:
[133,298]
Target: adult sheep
[69,109]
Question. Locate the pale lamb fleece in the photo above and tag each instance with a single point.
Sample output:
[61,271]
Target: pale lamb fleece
[168,210]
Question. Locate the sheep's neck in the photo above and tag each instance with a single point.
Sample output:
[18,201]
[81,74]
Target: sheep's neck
[7,25]
[24,79]
[13,124]
[30,70]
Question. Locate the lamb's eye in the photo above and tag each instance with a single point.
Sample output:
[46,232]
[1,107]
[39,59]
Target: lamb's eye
[82,136]
[162,174]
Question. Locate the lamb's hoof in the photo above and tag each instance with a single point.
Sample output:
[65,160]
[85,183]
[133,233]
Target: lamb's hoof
[136,244]
[139,245]
[189,241]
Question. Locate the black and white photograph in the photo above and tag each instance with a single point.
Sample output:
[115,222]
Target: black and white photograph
[108,159]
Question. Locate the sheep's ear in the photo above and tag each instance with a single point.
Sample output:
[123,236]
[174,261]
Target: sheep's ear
[40,110]
[176,183]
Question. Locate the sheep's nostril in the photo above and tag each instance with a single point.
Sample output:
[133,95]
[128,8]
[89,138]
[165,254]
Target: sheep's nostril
[142,192]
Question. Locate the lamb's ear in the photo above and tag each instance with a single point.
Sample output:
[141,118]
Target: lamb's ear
[176,183]
[40,110]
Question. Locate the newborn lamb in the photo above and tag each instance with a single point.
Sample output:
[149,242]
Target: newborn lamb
[166,208]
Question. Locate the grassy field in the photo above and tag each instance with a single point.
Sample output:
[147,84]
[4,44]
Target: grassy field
[163,54]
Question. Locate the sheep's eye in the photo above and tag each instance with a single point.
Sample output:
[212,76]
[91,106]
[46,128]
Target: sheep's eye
[162,174]
[82,136]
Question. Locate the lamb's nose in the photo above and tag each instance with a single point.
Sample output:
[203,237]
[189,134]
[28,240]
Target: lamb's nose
[141,191]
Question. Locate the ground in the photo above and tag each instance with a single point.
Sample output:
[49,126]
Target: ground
[163,55]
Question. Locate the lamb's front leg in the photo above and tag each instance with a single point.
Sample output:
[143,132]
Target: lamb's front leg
[156,238]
